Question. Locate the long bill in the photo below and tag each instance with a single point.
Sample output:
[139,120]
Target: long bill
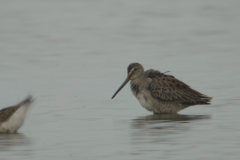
[119,89]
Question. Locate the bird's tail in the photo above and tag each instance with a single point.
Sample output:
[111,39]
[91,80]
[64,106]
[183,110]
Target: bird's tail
[26,101]
[205,100]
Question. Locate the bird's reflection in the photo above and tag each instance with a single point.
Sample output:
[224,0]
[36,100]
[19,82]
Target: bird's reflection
[170,117]
[159,124]
[162,131]
[8,141]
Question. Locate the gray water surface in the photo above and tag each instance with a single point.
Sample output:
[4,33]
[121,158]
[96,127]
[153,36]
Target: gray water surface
[73,55]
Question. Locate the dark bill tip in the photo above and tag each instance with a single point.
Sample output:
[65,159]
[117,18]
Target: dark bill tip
[119,89]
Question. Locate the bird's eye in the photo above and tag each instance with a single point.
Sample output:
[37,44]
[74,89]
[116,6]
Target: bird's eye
[133,70]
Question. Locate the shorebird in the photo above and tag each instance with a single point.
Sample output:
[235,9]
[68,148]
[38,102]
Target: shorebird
[161,93]
[11,118]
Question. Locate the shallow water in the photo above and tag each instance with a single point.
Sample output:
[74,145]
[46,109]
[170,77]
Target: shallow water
[73,55]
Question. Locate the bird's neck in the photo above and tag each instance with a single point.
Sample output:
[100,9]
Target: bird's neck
[138,80]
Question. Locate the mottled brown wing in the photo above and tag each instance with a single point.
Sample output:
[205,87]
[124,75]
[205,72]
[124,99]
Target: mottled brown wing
[5,113]
[168,88]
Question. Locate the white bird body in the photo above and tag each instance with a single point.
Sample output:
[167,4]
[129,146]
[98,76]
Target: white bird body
[12,118]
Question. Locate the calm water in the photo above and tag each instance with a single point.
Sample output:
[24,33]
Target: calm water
[73,55]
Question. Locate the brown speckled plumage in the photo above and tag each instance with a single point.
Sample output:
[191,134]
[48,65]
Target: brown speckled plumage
[167,88]
[161,93]
[7,112]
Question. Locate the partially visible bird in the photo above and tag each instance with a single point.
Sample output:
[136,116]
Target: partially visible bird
[11,118]
[161,93]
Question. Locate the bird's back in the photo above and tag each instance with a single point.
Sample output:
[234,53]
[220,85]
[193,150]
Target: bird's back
[167,88]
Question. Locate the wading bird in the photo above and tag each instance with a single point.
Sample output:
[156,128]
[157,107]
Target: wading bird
[161,93]
[11,118]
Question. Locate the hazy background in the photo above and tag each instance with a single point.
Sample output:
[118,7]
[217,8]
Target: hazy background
[73,55]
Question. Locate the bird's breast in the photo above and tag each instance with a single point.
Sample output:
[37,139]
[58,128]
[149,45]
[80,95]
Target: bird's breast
[134,89]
